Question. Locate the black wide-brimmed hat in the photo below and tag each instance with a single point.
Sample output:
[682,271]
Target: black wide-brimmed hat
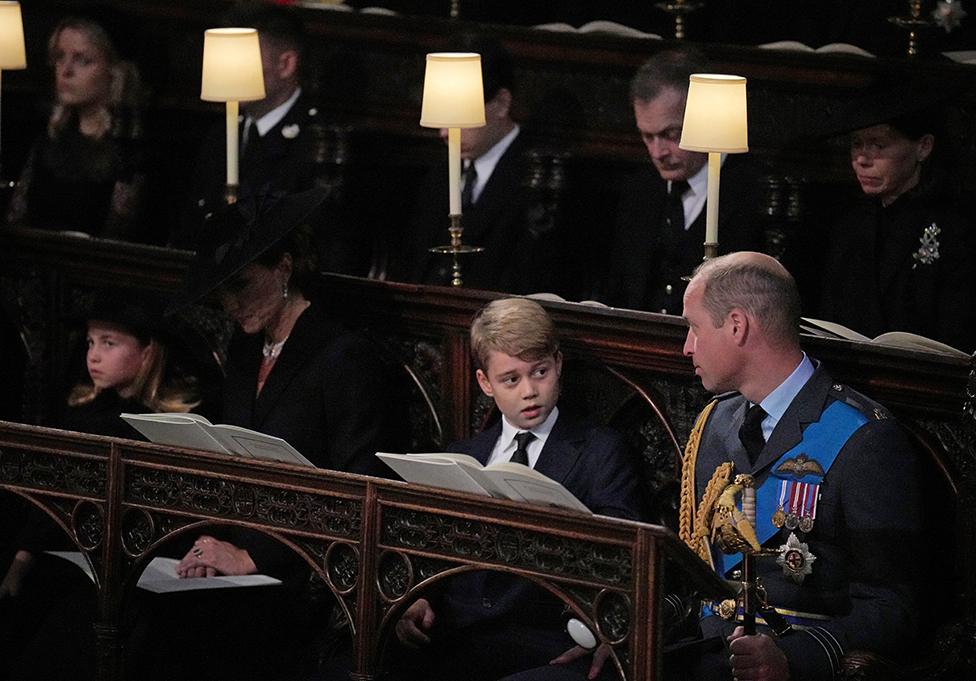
[138,312]
[914,100]
[241,233]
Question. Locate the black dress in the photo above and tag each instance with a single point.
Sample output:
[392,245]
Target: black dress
[78,183]
[903,267]
[57,604]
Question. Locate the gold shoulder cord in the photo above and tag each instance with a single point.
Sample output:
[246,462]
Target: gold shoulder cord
[693,527]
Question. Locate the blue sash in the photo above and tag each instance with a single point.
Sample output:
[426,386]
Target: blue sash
[822,442]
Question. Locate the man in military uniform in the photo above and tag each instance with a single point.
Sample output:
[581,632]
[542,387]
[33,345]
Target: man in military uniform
[659,229]
[836,505]
[836,508]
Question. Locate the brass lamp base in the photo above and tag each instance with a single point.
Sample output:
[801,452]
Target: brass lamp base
[456,249]
[914,23]
[678,9]
[230,194]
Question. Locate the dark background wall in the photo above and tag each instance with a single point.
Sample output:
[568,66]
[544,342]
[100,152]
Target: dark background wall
[367,73]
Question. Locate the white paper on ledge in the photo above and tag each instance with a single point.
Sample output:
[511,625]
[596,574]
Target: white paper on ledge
[160,575]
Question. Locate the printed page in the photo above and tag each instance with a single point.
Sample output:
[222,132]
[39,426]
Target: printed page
[420,469]
[838,330]
[521,483]
[904,339]
[160,575]
[178,430]
[254,445]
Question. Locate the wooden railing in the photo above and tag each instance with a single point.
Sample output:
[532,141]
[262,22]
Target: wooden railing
[376,544]
[625,367]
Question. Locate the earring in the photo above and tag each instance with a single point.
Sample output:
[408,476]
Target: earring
[284,290]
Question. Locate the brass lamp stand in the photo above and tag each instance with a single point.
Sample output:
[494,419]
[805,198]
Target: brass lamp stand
[231,73]
[715,122]
[454,99]
[12,55]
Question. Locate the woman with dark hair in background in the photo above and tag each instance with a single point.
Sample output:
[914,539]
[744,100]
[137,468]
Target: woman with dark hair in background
[900,261]
[84,173]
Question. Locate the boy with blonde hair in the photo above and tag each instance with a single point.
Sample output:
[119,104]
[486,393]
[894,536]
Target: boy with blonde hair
[486,625]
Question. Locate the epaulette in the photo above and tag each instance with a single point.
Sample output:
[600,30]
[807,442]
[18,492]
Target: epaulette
[863,404]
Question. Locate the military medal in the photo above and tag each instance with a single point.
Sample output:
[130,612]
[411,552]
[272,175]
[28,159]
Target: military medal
[792,520]
[795,559]
[779,516]
[808,512]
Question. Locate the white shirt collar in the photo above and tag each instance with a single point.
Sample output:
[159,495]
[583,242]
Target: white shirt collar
[777,402]
[505,445]
[485,164]
[273,117]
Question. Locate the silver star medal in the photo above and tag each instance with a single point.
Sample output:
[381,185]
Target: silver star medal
[796,559]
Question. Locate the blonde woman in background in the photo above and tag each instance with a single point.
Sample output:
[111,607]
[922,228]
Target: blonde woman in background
[84,172]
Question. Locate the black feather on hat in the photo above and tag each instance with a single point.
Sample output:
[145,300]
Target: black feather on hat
[239,235]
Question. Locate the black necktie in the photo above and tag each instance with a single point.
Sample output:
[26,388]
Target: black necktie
[675,210]
[750,433]
[470,179]
[521,454]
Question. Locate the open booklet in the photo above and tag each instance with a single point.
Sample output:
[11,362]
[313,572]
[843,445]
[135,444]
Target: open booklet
[502,480]
[600,26]
[160,576]
[830,48]
[897,339]
[196,432]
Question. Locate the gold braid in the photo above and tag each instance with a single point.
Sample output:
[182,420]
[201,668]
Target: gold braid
[693,528]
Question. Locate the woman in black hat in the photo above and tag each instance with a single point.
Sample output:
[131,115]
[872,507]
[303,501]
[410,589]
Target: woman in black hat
[84,173]
[291,371]
[901,259]
[294,373]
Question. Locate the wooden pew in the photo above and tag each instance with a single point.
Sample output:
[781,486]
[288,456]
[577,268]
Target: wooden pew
[376,544]
[629,369]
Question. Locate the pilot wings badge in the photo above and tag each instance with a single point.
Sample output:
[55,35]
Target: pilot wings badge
[800,466]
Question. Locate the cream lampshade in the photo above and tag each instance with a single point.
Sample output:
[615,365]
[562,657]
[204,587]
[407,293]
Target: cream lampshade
[715,122]
[232,73]
[454,98]
[12,53]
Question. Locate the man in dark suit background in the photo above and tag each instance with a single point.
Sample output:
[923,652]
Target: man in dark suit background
[495,200]
[484,625]
[660,223]
[284,142]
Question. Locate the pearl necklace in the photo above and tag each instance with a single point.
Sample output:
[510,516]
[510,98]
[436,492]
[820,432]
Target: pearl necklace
[272,349]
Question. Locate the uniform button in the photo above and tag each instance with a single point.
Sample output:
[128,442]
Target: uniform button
[486,602]
[664,310]
[668,289]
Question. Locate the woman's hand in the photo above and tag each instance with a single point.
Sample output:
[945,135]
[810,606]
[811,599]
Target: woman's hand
[210,557]
[13,581]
